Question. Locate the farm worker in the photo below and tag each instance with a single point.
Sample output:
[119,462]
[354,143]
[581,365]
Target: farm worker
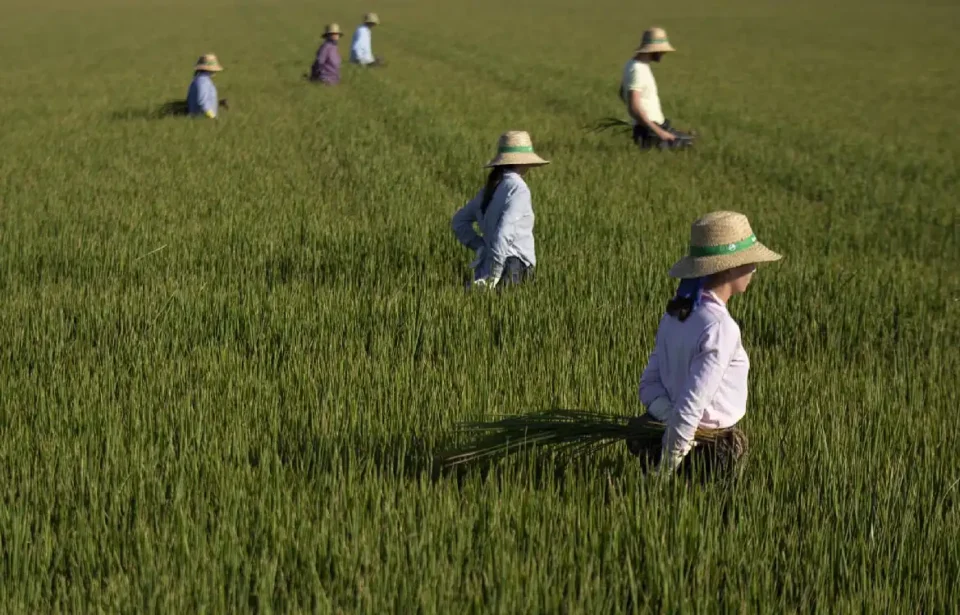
[504,211]
[638,89]
[361,48]
[202,95]
[326,68]
[696,376]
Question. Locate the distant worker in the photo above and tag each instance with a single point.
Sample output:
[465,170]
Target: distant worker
[504,211]
[638,89]
[326,68]
[202,95]
[361,49]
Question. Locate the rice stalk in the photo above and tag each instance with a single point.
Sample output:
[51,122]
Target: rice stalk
[609,123]
[574,432]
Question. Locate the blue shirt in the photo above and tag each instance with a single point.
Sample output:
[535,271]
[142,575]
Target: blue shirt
[202,95]
[361,50]
[507,227]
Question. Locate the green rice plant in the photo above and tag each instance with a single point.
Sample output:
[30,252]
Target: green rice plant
[230,350]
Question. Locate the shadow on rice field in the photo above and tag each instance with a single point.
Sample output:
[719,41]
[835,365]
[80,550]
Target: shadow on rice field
[414,458]
[171,109]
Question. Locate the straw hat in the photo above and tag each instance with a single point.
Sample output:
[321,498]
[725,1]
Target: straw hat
[209,63]
[333,28]
[371,18]
[515,147]
[655,40]
[719,241]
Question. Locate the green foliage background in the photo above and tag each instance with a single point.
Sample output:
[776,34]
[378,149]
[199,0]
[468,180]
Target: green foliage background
[229,348]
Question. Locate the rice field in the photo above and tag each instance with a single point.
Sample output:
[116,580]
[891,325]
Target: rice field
[230,349]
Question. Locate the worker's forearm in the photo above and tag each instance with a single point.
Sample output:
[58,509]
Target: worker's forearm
[640,116]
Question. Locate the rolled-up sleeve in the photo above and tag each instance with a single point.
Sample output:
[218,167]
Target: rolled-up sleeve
[717,345]
[517,205]
[462,224]
[634,81]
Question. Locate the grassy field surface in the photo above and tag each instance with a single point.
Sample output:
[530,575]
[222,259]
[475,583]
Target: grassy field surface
[229,349]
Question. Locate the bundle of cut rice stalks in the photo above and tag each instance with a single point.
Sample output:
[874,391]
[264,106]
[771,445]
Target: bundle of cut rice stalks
[574,432]
[609,123]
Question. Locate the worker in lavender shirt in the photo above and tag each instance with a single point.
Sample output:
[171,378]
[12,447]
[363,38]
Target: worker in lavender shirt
[696,377]
[326,68]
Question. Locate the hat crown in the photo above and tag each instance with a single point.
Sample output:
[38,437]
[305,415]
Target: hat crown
[333,28]
[514,139]
[208,58]
[655,35]
[719,228]
[371,18]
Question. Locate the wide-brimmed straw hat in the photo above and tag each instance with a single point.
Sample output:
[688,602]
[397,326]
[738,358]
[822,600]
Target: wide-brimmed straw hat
[720,241]
[655,40]
[209,63]
[371,18]
[515,147]
[333,28]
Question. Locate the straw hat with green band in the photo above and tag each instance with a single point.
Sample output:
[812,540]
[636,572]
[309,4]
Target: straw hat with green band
[209,63]
[655,40]
[333,28]
[515,147]
[720,241]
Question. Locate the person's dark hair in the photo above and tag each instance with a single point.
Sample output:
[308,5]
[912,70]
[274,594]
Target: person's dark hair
[686,298]
[680,307]
[493,180]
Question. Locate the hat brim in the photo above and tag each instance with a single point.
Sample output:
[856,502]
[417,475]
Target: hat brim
[656,48]
[504,160]
[697,267]
[209,69]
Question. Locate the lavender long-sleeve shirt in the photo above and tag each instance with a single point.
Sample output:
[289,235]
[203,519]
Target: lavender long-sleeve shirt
[326,68]
[697,373]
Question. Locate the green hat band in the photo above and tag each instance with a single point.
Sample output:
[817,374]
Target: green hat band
[730,248]
[516,149]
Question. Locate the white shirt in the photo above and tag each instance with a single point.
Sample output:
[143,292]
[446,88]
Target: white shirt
[507,226]
[697,373]
[361,51]
[637,76]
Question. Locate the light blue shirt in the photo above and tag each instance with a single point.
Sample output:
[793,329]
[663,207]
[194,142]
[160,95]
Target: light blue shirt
[202,96]
[507,227]
[361,49]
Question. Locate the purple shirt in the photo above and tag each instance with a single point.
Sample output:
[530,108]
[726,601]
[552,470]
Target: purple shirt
[326,68]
